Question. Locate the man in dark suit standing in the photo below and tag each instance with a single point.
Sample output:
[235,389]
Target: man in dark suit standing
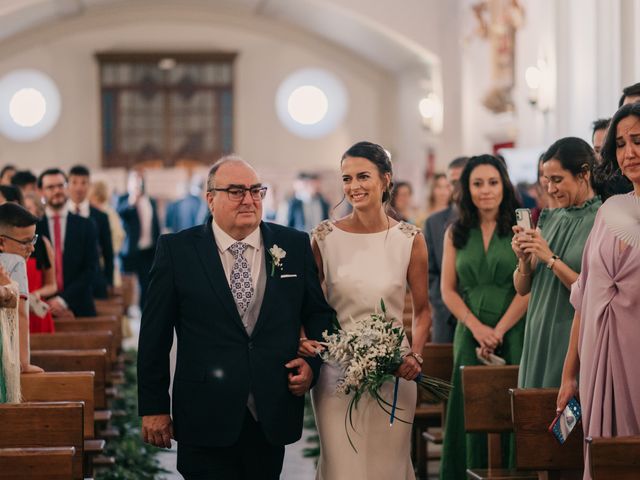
[237,291]
[139,216]
[443,323]
[307,207]
[74,245]
[79,183]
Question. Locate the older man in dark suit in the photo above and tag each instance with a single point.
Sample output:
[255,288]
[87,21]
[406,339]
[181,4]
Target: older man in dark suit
[237,292]
[443,323]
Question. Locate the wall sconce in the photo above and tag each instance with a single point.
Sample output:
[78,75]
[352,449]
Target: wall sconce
[538,79]
[430,108]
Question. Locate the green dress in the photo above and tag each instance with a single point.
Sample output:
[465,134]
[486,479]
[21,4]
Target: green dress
[550,314]
[485,281]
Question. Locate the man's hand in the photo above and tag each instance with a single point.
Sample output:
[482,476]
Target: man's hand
[157,430]
[300,379]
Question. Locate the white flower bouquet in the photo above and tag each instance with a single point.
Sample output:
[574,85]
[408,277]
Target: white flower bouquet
[368,356]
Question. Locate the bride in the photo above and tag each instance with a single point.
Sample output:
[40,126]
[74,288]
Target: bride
[362,258]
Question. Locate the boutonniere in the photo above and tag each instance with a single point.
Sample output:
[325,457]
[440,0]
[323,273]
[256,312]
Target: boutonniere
[277,254]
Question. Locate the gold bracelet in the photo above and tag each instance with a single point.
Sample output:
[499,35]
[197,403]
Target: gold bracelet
[522,274]
[464,319]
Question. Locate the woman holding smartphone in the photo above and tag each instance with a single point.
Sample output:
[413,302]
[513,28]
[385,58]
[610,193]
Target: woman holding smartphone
[477,288]
[549,260]
[603,351]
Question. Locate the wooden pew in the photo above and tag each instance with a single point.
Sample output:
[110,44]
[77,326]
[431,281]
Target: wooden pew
[93,324]
[110,306]
[52,463]
[533,410]
[62,386]
[44,424]
[75,341]
[487,409]
[438,363]
[616,458]
[77,361]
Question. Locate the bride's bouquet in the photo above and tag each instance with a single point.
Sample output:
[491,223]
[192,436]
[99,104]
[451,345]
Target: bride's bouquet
[368,356]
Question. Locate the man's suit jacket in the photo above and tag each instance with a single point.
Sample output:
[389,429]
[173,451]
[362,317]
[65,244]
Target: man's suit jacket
[79,262]
[218,363]
[104,276]
[131,224]
[434,230]
[296,217]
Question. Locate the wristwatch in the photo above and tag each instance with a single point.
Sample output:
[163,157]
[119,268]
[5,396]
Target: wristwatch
[417,356]
[552,260]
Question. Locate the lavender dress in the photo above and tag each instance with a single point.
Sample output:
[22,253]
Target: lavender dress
[607,296]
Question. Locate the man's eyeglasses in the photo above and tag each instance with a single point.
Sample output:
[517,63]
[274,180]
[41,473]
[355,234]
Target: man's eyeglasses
[24,243]
[237,193]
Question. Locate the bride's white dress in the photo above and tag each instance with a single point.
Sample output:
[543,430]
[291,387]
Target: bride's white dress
[359,270]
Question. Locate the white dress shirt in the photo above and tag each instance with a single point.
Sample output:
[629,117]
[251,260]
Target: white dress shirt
[253,254]
[83,207]
[63,224]
[145,214]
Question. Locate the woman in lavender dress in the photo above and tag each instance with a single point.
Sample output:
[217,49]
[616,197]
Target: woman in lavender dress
[603,351]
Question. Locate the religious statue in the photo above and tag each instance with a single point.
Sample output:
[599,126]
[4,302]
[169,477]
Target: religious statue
[498,21]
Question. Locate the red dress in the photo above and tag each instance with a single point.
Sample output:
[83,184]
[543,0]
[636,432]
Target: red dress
[36,279]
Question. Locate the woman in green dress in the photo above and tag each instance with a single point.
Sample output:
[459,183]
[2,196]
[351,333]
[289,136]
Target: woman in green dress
[549,260]
[477,287]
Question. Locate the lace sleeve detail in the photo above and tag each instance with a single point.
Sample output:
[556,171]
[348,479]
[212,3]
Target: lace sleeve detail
[323,229]
[408,229]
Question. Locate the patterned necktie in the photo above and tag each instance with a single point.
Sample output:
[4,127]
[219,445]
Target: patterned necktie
[241,283]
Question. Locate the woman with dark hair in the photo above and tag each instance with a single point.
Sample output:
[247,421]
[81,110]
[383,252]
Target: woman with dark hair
[603,355]
[400,202]
[477,288]
[363,258]
[549,260]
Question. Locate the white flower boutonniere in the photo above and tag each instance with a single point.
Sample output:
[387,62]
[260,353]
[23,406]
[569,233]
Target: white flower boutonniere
[277,254]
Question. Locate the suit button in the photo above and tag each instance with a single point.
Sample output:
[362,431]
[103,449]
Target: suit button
[250,345]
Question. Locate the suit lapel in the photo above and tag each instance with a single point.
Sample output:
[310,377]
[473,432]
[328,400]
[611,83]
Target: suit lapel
[267,242]
[208,252]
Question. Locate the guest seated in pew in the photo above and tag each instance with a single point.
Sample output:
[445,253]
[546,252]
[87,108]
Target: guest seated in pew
[75,248]
[17,237]
[478,290]
[603,350]
[549,260]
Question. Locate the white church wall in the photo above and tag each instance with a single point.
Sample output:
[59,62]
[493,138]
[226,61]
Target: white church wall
[268,52]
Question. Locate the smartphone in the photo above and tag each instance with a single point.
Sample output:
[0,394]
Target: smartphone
[523,218]
[566,420]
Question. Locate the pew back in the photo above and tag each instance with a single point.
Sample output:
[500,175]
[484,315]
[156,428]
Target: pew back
[46,424]
[533,411]
[62,386]
[616,458]
[53,463]
[77,361]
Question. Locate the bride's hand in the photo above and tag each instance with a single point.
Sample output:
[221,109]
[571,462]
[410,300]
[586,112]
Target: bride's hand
[309,348]
[409,369]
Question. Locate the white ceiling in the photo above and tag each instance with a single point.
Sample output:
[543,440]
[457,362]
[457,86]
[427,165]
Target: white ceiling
[371,40]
